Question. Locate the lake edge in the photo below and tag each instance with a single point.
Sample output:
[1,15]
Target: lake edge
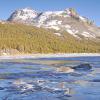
[50,55]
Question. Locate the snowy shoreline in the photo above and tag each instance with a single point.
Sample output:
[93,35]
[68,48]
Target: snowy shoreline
[21,56]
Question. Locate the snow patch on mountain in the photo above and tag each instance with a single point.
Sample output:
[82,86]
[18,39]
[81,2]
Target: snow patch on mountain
[87,35]
[82,19]
[67,26]
[73,32]
[67,20]
[24,14]
[59,34]
[53,27]
[54,22]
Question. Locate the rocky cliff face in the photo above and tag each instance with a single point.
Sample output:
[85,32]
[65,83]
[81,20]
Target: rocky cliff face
[67,20]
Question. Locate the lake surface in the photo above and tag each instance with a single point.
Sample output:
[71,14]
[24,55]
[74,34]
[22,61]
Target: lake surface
[38,79]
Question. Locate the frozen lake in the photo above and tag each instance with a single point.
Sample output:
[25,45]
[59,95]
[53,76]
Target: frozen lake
[39,79]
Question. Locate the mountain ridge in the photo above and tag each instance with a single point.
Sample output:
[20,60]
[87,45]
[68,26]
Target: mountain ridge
[28,31]
[67,20]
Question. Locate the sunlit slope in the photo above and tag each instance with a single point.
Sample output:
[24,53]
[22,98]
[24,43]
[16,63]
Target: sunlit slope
[29,39]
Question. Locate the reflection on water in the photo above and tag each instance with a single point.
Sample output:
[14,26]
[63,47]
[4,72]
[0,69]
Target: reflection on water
[49,79]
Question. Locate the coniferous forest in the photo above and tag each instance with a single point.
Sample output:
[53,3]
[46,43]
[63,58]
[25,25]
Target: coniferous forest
[30,39]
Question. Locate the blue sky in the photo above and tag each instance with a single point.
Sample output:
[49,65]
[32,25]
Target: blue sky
[87,8]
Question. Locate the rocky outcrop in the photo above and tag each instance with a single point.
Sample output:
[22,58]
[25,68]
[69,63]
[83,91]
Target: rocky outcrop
[65,69]
[83,67]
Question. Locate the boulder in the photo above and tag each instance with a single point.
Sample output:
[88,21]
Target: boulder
[64,69]
[83,67]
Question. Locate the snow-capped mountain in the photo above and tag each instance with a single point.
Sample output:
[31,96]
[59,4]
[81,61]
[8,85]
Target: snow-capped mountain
[23,15]
[67,20]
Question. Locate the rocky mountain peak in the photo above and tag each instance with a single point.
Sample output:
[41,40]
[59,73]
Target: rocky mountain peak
[67,20]
[23,14]
[71,11]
